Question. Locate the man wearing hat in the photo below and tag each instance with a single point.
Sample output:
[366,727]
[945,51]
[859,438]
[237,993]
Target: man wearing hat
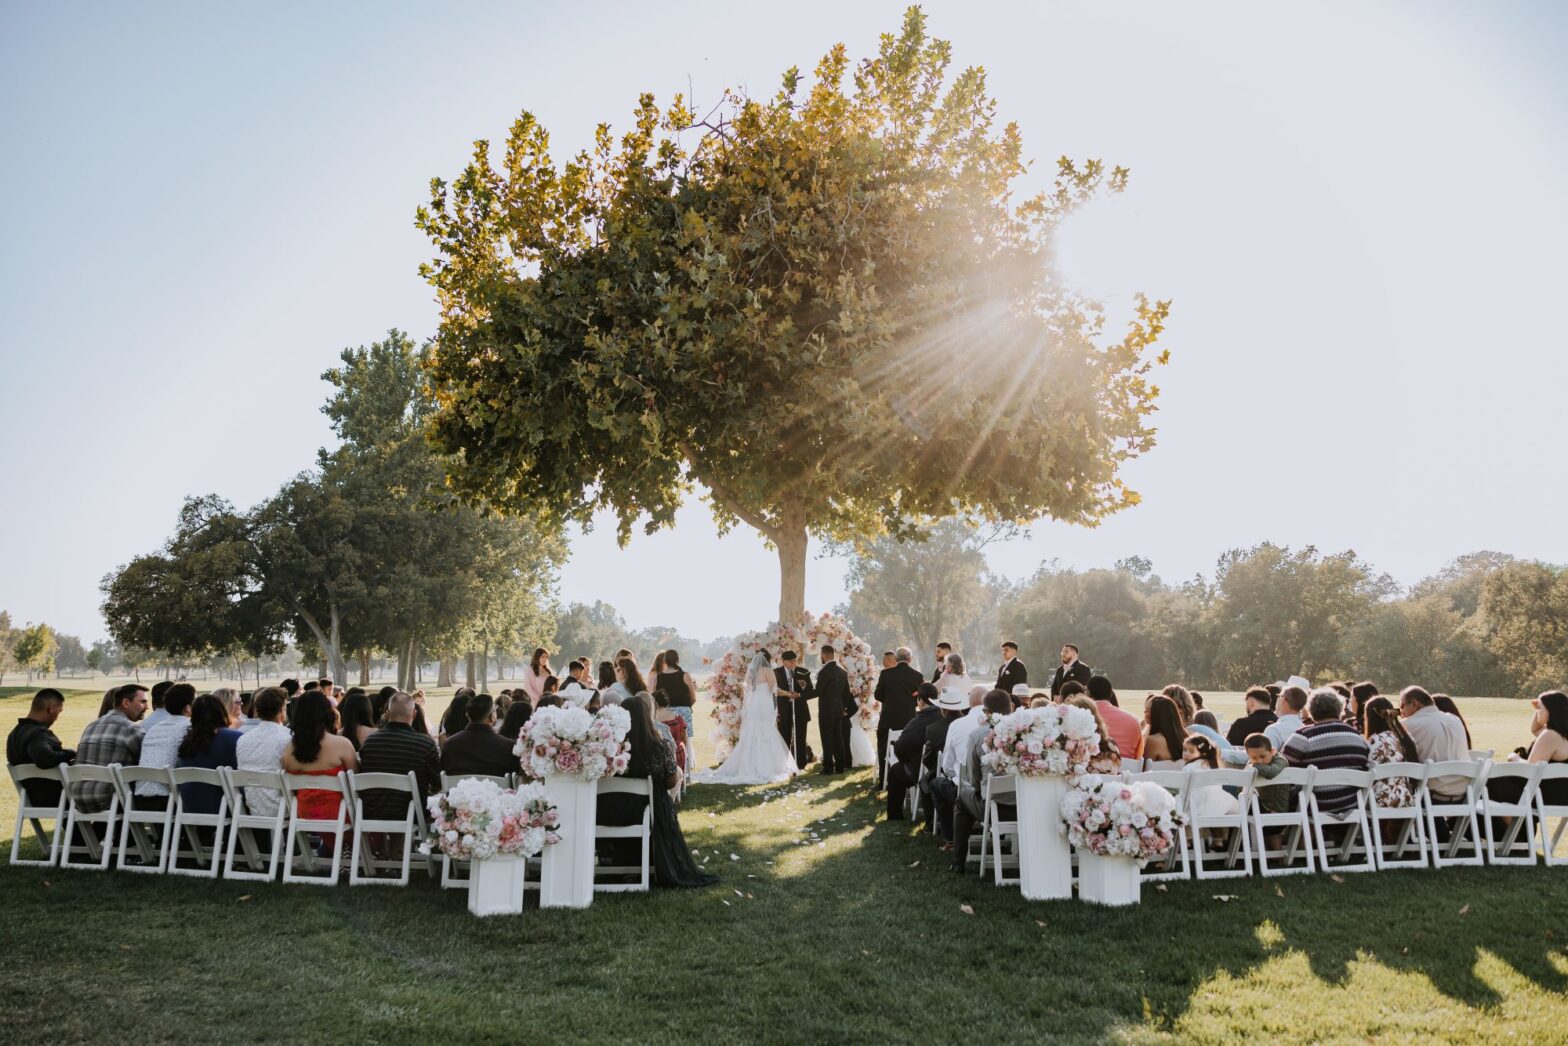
[951,704]
[909,750]
[792,690]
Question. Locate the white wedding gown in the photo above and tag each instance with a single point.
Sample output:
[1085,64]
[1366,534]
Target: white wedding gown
[760,756]
[862,752]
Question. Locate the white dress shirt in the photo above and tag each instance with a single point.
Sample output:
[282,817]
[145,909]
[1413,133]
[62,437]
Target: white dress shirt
[1439,738]
[1281,729]
[261,748]
[161,749]
[960,740]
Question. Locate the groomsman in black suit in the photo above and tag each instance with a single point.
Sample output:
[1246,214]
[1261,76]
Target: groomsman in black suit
[835,707]
[1013,671]
[895,691]
[791,692]
[942,650]
[1070,668]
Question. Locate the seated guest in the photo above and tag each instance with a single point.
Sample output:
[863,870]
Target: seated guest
[969,809]
[1291,704]
[159,713]
[1355,708]
[1208,800]
[209,743]
[1328,743]
[1388,742]
[952,705]
[478,750]
[358,718]
[549,700]
[961,734]
[909,748]
[230,699]
[1549,725]
[628,681]
[1444,703]
[398,748]
[32,742]
[1163,738]
[517,716]
[1184,706]
[1123,726]
[109,739]
[161,743]
[420,723]
[607,676]
[107,702]
[1272,799]
[649,759]
[455,719]
[261,747]
[1203,717]
[315,751]
[1439,738]
[1071,688]
[1257,718]
[378,703]
[1109,759]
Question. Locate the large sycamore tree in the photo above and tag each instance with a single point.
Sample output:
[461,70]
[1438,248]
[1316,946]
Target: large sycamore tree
[827,309]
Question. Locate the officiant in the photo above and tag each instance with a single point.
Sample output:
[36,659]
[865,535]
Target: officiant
[792,691]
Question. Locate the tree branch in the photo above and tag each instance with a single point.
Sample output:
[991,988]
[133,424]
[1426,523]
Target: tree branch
[733,504]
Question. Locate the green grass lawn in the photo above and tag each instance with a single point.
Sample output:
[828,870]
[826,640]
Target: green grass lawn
[858,934]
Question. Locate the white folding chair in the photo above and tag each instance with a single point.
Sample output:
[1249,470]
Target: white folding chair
[1297,841]
[301,829]
[150,829]
[37,813]
[1409,818]
[1482,753]
[245,823]
[363,857]
[96,830]
[889,759]
[1465,830]
[1551,773]
[1178,863]
[454,872]
[643,831]
[1164,766]
[190,826]
[1353,820]
[999,790]
[1512,849]
[1133,765]
[1238,845]
[976,839]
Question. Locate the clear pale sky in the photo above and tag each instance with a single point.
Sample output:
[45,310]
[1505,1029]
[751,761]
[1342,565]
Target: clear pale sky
[1359,211]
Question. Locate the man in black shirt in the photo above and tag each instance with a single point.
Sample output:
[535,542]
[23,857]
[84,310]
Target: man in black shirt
[909,750]
[895,692]
[32,741]
[397,748]
[1258,716]
[478,750]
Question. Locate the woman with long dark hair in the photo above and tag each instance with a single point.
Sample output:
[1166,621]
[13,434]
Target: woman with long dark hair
[1447,704]
[1389,742]
[1163,737]
[517,716]
[1549,725]
[537,672]
[1185,706]
[652,760]
[208,744]
[678,683]
[1356,707]
[455,717]
[358,717]
[314,750]
[606,675]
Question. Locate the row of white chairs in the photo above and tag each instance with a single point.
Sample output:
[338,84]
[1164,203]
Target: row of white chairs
[243,841]
[1365,836]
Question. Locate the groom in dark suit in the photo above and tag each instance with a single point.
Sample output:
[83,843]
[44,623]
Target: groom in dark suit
[1013,671]
[791,691]
[835,712]
[1070,668]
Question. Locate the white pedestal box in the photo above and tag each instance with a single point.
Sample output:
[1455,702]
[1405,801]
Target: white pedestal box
[495,886]
[1108,880]
[1045,867]
[567,867]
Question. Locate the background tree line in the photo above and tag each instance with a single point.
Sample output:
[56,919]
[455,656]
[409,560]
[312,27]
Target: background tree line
[1487,624]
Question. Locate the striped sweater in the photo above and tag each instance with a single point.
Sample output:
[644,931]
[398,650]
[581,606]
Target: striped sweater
[1329,746]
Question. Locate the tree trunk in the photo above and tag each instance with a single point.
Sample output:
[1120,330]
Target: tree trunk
[468,671]
[792,545]
[364,668]
[444,672]
[484,669]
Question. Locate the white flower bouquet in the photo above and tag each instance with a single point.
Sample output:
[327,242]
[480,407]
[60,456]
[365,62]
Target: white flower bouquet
[575,742]
[1112,819]
[475,820]
[1032,742]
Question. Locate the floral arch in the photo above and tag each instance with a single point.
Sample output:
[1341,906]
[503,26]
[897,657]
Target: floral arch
[805,637]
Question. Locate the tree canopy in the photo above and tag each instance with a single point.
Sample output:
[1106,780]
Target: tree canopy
[828,307]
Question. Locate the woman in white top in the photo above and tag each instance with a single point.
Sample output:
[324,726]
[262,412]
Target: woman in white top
[954,677]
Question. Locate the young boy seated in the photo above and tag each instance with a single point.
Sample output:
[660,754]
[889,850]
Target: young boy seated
[1272,799]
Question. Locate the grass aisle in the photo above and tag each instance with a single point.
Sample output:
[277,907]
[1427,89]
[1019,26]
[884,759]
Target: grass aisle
[831,926]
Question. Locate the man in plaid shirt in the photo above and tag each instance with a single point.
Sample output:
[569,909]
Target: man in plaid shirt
[114,737]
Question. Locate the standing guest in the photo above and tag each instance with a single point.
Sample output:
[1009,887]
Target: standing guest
[398,748]
[1355,708]
[889,659]
[628,681]
[942,651]
[1439,738]
[1122,725]
[895,692]
[358,719]
[1108,760]
[161,743]
[291,688]
[909,748]
[1388,742]
[1292,703]
[835,707]
[160,691]
[110,739]
[455,719]
[32,742]
[969,810]
[1184,705]
[420,723]
[537,672]
[1444,703]
[1259,716]
[575,686]
[478,750]
[230,699]
[208,744]
[1162,739]
[649,759]
[517,717]
[315,751]
[954,676]
[261,747]
[670,677]
[657,666]
[1013,671]
[1070,668]
[1328,743]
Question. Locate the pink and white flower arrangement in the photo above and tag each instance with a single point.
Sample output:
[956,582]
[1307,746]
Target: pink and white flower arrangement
[1056,739]
[727,684]
[1112,819]
[575,742]
[475,820]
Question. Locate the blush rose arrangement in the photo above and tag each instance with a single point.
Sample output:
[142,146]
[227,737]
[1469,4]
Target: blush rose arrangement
[574,742]
[476,820]
[1112,819]
[1033,742]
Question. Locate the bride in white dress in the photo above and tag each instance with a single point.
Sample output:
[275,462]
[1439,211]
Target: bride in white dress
[760,756]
